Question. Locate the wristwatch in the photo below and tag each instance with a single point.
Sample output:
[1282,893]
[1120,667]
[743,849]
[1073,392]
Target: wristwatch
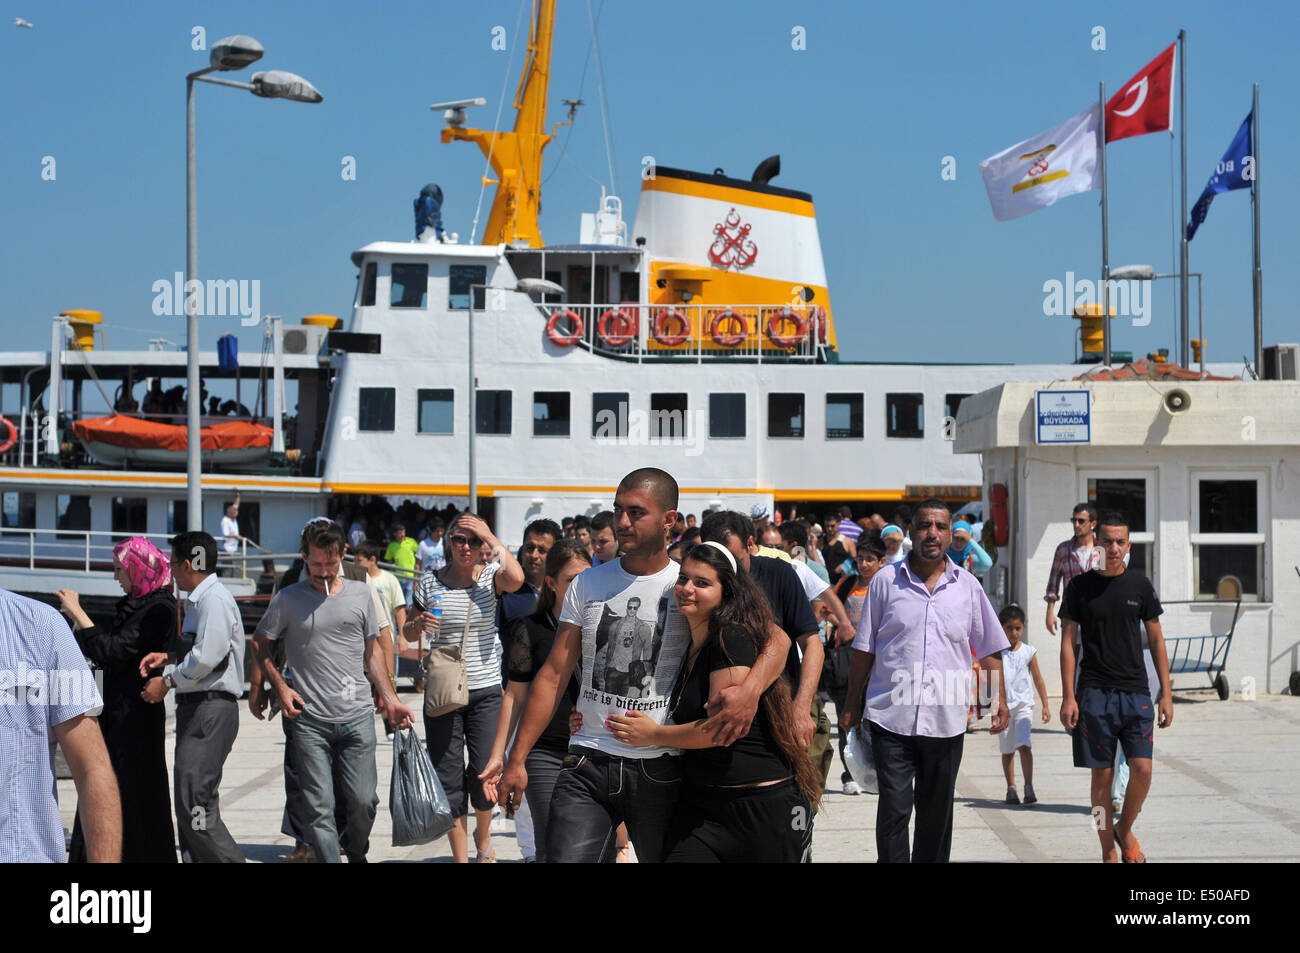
[169,681]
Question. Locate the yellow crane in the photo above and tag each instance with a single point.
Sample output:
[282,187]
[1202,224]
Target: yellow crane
[516,156]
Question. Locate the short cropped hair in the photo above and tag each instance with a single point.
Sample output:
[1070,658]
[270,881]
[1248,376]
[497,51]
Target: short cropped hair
[198,547]
[661,485]
[371,550]
[931,504]
[719,525]
[602,520]
[1085,508]
[544,527]
[1113,518]
[795,532]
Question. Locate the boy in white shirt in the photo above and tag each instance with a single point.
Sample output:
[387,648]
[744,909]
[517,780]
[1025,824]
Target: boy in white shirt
[1019,667]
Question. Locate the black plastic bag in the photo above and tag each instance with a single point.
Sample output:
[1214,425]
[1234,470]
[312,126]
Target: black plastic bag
[420,809]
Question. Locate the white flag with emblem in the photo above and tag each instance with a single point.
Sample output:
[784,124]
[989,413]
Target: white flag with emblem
[1035,173]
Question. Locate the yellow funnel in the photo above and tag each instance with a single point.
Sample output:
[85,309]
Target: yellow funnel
[83,326]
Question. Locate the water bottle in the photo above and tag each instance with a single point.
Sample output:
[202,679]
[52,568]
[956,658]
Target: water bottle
[435,610]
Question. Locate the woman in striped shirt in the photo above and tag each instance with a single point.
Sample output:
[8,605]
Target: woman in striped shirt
[465,586]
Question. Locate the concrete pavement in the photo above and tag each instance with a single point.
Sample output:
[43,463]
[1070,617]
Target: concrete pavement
[1226,788]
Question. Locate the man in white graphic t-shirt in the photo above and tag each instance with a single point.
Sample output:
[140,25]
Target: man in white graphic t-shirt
[608,782]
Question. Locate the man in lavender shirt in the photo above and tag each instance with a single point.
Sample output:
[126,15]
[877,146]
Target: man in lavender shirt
[912,659]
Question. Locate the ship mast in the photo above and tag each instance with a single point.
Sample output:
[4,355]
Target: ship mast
[516,156]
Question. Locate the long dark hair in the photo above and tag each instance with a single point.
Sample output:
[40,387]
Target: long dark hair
[745,605]
[557,557]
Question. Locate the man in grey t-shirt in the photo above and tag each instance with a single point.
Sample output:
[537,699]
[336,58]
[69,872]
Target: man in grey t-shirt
[330,629]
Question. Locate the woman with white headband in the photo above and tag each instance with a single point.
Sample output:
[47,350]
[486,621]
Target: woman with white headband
[751,801]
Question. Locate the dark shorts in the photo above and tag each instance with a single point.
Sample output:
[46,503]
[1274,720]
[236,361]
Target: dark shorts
[770,825]
[1107,715]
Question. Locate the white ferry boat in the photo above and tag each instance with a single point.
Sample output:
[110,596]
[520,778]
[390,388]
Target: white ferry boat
[701,340]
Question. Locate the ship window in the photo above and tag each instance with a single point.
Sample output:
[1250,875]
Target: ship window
[177,516]
[410,285]
[609,415]
[435,411]
[377,409]
[72,513]
[785,415]
[904,415]
[952,403]
[726,416]
[668,416]
[1227,537]
[550,413]
[130,516]
[19,510]
[843,416]
[459,278]
[493,412]
[368,281]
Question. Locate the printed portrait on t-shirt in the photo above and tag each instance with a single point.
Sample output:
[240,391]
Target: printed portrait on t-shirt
[626,646]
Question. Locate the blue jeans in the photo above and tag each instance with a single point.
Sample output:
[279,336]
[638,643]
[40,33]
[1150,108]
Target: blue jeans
[329,758]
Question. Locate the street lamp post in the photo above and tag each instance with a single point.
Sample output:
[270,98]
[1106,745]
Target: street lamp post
[229,53]
[526,286]
[1148,273]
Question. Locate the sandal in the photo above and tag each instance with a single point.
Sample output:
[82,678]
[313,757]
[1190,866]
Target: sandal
[1130,855]
[487,857]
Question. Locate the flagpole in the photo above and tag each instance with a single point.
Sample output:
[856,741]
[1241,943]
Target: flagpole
[1258,282]
[1182,139]
[1105,247]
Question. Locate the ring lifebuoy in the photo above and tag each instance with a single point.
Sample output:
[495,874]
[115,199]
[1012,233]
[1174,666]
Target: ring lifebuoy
[818,317]
[776,318]
[660,328]
[727,340]
[553,331]
[11,438]
[624,331]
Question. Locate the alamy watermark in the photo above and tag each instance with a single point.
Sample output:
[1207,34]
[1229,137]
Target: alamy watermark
[656,428]
[52,688]
[1126,298]
[216,296]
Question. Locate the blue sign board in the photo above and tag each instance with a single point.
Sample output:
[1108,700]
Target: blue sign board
[1063,416]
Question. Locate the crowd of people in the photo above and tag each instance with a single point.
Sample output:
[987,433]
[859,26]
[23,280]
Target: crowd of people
[641,677]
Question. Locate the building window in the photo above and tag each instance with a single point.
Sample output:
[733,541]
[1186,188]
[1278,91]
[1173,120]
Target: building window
[785,415]
[952,403]
[410,285]
[609,415]
[72,513]
[1227,536]
[905,415]
[668,416]
[459,279]
[492,412]
[19,509]
[1129,496]
[377,409]
[843,416]
[435,410]
[726,416]
[550,413]
[369,278]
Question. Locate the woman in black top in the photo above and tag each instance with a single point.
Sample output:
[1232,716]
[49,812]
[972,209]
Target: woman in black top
[751,801]
[144,622]
[528,643]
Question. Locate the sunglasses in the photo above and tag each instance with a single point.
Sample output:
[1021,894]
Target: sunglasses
[465,541]
[1080,519]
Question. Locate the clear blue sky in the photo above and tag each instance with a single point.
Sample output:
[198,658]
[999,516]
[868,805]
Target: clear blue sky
[918,268]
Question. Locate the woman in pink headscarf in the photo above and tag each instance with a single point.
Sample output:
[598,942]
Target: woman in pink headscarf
[144,621]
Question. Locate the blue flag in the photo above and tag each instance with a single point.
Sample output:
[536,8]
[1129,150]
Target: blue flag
[1236,170]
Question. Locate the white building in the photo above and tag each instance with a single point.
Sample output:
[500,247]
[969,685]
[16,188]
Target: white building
[1212,490]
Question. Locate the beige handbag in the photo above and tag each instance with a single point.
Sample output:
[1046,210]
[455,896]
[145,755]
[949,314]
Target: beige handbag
[446,685]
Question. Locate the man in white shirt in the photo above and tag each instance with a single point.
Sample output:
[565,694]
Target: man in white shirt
[230,527]
[430,556]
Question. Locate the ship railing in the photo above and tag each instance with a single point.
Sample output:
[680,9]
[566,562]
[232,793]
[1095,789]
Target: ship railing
[92,550]
[698,333]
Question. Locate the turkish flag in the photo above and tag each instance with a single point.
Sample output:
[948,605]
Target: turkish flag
[1145,103]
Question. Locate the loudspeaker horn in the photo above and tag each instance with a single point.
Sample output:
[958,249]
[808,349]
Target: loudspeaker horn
[1177,401]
